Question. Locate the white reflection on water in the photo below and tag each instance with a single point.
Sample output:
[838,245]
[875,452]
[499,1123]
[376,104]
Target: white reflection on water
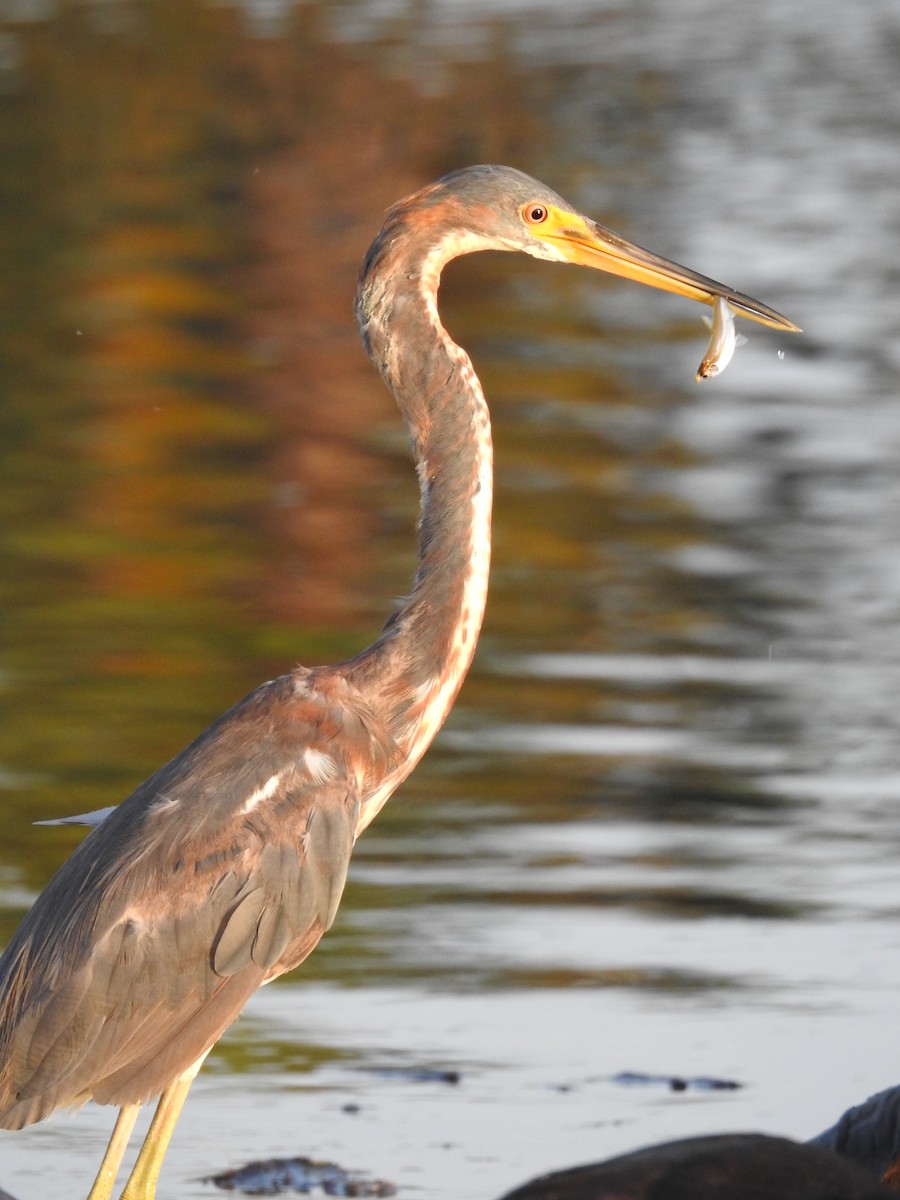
[512,1113]
[849,691]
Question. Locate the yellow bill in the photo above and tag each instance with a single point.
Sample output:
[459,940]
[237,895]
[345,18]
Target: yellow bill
[577,239]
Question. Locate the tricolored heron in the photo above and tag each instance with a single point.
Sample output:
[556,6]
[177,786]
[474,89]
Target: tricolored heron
[225,868]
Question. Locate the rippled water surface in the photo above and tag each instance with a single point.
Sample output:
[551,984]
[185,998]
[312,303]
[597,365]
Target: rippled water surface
[659,832]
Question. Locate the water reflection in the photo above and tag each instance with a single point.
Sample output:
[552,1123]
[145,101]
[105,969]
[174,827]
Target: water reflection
[660,830]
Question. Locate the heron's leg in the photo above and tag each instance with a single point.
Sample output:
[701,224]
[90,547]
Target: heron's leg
[141,1183]
[109,1168]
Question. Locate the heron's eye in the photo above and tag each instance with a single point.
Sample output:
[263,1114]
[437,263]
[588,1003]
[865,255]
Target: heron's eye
[534,214]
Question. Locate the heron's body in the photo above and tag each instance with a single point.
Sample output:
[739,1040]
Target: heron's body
[225,868]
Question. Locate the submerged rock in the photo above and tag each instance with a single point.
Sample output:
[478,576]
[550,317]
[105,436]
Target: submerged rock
[677,1083]
[270,1176]
[416,1074]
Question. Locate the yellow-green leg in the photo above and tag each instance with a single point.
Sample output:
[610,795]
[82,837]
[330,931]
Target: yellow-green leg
[112,1159]
[141,1183]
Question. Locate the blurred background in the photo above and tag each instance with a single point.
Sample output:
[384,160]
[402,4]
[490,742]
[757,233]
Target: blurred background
[659,831]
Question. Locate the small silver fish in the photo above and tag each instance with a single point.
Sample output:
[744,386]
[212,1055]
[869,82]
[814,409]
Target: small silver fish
[722,341]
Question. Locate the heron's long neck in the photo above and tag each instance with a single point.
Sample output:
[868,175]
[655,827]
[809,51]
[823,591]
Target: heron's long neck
[413,672]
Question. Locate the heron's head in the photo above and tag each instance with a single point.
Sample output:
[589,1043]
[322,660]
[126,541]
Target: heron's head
[493,207]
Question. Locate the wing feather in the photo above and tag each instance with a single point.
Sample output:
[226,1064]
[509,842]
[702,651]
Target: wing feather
[329,840]
[273,934]
[232,950]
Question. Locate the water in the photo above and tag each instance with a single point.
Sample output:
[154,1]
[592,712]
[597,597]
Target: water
[659,831]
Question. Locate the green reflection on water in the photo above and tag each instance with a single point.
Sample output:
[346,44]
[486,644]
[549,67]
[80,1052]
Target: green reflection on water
[129,463]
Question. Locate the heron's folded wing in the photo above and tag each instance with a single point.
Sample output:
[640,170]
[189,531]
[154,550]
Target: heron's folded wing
[150,939]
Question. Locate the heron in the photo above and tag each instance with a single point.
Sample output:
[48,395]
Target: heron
[225,868]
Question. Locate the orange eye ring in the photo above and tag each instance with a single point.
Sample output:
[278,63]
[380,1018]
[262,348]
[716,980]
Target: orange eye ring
[535,214]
